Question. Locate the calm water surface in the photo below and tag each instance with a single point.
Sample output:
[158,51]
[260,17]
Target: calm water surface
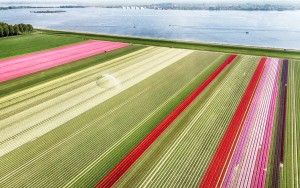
[268,29]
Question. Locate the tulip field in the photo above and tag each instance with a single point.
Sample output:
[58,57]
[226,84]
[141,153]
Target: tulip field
[31,63]
[90,112]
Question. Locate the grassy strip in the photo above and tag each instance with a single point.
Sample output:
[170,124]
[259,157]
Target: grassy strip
[22,44]
[187,45]
[19,84]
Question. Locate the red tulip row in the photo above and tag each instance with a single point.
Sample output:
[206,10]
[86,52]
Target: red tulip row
[215,172]
[131,157]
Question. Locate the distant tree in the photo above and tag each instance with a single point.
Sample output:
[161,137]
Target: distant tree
[1,31]
[2,24]
[30,27]
[16,29]
[25,28]
[21,28]
[11,30]
[5,31]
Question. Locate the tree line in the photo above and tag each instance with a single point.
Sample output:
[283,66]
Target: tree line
[17,29]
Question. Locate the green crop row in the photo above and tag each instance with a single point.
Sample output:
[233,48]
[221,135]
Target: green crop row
[18,45]
[291,161]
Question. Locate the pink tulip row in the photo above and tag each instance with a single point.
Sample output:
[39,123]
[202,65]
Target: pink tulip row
[12,68]
[247,167]
[260,169]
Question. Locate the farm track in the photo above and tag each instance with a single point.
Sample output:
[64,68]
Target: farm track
[291,160]
[182,153]
[35,165]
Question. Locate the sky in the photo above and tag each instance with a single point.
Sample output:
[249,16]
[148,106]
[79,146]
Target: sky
[142,1]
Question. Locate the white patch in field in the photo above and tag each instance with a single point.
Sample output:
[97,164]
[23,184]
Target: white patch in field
[108,81]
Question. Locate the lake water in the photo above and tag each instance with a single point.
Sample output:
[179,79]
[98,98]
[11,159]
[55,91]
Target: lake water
[268,29]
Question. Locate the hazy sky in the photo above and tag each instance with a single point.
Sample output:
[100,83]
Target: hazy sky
[138,1]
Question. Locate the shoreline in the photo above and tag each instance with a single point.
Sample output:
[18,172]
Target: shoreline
[205,46]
